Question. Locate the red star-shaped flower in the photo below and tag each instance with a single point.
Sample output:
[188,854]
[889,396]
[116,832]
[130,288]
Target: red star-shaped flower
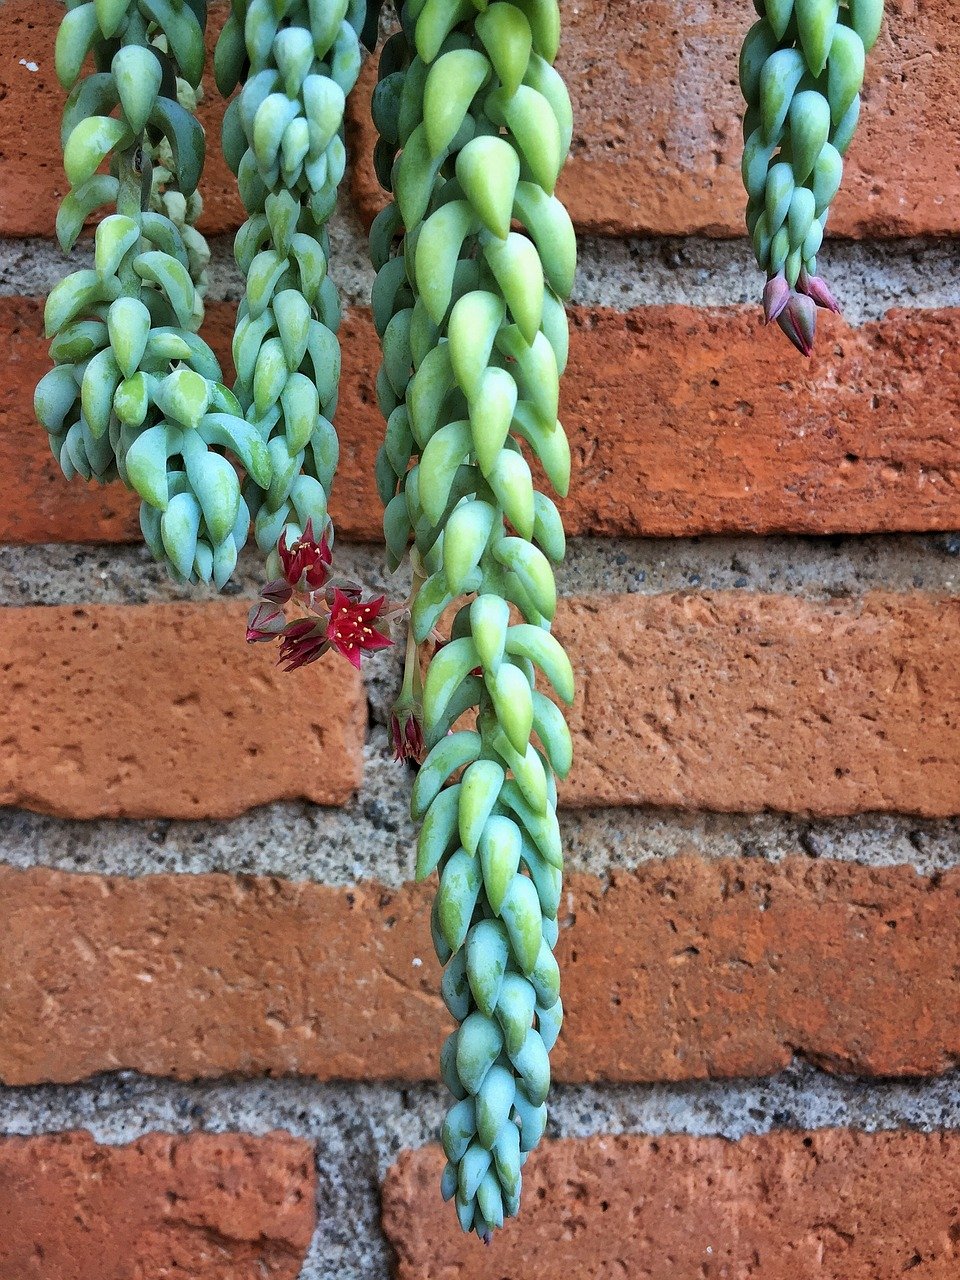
[350,629]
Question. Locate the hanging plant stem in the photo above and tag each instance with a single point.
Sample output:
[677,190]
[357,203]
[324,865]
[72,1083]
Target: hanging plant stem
[134,392]
[801,70]
[283,138]
[475,256]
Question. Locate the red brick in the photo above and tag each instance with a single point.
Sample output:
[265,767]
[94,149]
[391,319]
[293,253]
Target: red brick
[687,421]
[657,142]
[738,702]
[657,146]
[164,711]
[832,1203]
[32,182]
[212,1207]
[681,970]
[728,701]
[682,422]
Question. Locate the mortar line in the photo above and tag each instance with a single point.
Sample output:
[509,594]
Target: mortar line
[622,273]
[814,567]
[118,1106]
[373,840]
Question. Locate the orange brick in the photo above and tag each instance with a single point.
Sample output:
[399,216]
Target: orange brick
[657,144]
[738,702]
[682,422]
[657,139]
[728,701]
[220,1207]
[832,1203]
[680,970]
[164,711]
[32,181]
[686,421]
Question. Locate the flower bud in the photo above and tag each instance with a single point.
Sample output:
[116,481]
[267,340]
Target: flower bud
[406,733]
[303,641]
[776,295]
[816,288]
[265,622]
[798,321]
[277,592]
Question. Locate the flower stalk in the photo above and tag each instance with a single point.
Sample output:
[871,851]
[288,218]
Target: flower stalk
[406,718]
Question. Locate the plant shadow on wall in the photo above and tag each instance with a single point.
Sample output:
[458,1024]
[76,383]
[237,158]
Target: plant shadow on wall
[475,257]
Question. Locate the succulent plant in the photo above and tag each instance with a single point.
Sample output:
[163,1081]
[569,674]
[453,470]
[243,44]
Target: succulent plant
[801,70]
[134,393]
[475,256]
[283,138]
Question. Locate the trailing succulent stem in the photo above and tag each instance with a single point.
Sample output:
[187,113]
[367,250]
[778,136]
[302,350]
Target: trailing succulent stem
[475,256]
[134,392]
[283,138]
[801,70]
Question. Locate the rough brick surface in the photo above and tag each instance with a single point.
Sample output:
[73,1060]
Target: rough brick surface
[833,1204]
[32,181]
[657,146]
[164,711]
[692,968]
[677,971]
[204,975]
[686,421]
[727,701]
[738,702]
[657,108]
[682,421]
[211,1207]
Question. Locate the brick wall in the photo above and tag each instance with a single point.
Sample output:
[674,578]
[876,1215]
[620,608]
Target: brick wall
[218,1000]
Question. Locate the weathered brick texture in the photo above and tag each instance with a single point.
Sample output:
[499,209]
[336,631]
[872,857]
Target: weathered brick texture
[682,421]
[677,971]
[164,711]
[216,1207]
[832,1204]
[657,147]
[739,702]
[687,421]
[729,701]
[657,109]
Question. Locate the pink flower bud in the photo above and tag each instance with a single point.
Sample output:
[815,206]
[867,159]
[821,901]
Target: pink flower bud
[776,295]
[816,288]
[277,592]
[407,734]
[264,622]
[303,641]
[798,321]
